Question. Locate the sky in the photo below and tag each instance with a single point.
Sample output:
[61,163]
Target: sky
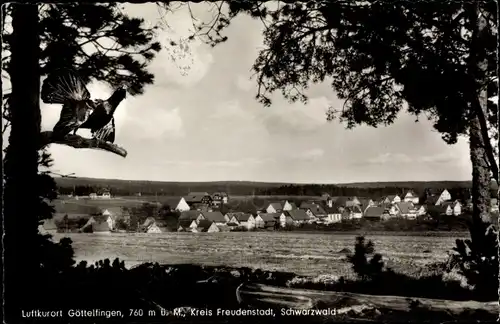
[204,124]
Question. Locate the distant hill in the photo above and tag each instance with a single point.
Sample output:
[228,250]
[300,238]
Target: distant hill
[131,187]
[409,184]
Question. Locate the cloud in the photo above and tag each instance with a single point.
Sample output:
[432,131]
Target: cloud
[245,83]
[217,163]
[157,124]
[296,118]
[311,155]
[180,63]
[400,158]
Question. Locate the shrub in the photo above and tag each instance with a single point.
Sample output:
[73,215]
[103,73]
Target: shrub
[364,268]
[477,259]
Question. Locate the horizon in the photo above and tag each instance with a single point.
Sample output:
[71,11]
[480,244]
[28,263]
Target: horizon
[205,124]
[257,181]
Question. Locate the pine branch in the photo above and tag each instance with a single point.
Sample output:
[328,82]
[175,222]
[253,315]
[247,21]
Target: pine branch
[76,141]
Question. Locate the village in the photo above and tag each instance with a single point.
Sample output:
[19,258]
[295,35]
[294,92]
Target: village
[204,212]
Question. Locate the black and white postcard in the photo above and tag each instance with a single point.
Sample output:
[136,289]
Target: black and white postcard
[250,161]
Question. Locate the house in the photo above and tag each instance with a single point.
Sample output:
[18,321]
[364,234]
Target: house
[274,207]
[327,200]
[186,225]
[355,212]
[352,201]
[313,210]
[93,195]
[420,210]
[262,219]
[219,198]
[215,217]
[411,196]
[391,199]
[191,215]
[404,209]
[333,215]
[114,214]
[48,226]
[289,206]
[98,224]
[391,209]
[105,194]
[241,219]
[206,226]
[296,216]
[158,226]
[375,213]
[444,196]
[198,198]
[176,204]
[455,206]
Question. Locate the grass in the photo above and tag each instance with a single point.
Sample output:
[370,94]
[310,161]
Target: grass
[303,254]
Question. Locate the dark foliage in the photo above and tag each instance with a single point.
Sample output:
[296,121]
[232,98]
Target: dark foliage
[477,259]
[364,268]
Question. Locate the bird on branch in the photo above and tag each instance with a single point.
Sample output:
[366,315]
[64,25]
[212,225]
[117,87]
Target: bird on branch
[79,111]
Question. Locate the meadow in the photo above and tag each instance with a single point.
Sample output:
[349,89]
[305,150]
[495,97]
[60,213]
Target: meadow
[302,253]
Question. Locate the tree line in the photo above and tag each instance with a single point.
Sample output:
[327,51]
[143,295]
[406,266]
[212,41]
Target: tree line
[461,193]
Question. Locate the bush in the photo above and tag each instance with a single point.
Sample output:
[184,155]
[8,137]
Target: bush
[364,268]
[477,260]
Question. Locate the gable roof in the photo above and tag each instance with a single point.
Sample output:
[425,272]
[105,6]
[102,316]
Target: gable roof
[204,225]
[196,196]
[404,207]
[391,197]
[411,193]
[314,208]
[148,222]
[240,216]
[214,216]
[298,214]
[354,209]
[269,217]
[276,205]
[189,215]
[374,211]
[171,202]
[185,223]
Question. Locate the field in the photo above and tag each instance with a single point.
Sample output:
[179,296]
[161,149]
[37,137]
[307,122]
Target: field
[301,253]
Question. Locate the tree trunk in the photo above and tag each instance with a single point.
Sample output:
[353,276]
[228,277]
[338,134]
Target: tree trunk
[481,169]
[480,173]
[21,199]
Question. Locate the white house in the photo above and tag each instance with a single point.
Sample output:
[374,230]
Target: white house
[205,226]
[288,206]
[392,199]
[106,194]
[443,197]
[411,197]
[241,219]
[420,210]
[263,219]
[274,207]
[93,195]
[456,207]
[182,205]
